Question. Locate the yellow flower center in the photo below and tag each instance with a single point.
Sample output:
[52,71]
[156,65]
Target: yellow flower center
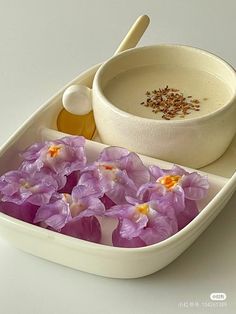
[66,197]
[25,185]
[76,208]
[53,150]
[109,170]
[169,181]
[143,208]
[108,167]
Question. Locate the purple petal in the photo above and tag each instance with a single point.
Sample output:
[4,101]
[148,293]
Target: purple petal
[185,216]
[82,191]
[79,192]
[132,200]
[131,228]
[177,197]
[162,231]
[122,187]
[71,181]
[112,153]
[176,170]
[93,207]
[135,169]
[72,141]
[90,168]
[119,241]
[90,180]
[195,186]
[54,215]
[117,194]
[108,203]
[162,207]
[86,228]
[25,212]
[151,191]
[120,211]
[156,172]
[32,152]
[9,182]
[165,209]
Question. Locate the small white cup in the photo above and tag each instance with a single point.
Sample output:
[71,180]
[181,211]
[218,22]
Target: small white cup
[193,142]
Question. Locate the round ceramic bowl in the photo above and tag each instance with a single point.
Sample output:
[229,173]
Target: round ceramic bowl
[195,139]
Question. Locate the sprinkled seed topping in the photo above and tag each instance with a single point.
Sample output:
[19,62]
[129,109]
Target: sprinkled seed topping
[170,102]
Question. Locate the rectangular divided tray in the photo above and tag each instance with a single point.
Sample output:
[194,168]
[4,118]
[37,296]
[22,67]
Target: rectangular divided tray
[104,259]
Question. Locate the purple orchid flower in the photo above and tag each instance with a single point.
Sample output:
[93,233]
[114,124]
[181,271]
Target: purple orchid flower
[128,161]
[175,183]
[181,188]
[60,157]
[143,224]
[70,214]
[19,187]
[55,189]
[117,173]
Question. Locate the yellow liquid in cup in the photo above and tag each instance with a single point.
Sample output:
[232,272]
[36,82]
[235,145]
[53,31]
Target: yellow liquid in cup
[76,125]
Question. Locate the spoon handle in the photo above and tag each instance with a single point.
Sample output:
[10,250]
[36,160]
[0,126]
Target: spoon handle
[134,34]
[68,121]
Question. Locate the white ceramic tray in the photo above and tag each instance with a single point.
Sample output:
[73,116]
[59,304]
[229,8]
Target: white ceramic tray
[103,259]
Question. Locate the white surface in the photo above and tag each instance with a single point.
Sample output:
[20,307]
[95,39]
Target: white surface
[37,57]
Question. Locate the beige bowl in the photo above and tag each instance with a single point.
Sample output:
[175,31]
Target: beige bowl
[195,140]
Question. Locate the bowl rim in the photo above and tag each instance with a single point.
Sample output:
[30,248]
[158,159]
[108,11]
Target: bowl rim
[98,91]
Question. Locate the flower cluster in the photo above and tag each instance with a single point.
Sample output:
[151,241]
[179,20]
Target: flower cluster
[56,188]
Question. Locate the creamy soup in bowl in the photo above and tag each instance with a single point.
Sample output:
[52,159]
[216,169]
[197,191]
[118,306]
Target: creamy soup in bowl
[172,102]
[140,82]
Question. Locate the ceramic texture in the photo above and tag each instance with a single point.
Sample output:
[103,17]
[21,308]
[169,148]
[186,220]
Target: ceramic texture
[195,142]
[102,259]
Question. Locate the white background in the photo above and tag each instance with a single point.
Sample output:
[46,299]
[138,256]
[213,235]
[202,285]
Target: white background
[45,44]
